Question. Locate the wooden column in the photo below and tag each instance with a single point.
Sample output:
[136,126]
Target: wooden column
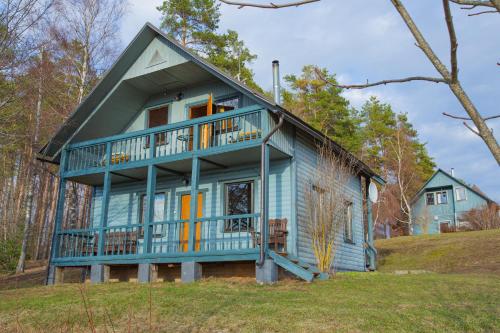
[60,206]
[193,214]
[195,177]
[150,206]
[106,188]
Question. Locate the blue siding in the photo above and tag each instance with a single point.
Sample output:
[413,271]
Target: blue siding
[349,256]
[427,218]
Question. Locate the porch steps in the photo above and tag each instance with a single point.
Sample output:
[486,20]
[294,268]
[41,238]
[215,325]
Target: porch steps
[298,267]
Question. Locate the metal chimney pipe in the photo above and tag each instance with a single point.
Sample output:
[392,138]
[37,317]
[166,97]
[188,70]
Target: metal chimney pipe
[453,172]
[276,82]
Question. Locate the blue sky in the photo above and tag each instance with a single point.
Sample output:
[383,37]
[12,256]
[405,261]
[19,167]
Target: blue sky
[366,39]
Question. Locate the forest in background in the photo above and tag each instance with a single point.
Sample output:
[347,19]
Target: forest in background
[52,53]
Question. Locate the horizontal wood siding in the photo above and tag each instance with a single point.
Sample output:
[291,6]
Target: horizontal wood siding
[350,257]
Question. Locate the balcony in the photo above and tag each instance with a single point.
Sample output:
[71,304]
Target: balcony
[204,136]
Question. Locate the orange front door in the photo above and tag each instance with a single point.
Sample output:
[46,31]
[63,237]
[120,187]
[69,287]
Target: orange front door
[185,215]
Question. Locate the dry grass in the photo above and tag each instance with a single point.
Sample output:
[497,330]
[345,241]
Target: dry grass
[460,252]
[354,302]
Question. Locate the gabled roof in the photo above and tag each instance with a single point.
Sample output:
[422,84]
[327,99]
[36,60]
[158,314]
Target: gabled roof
[422,189]
[51,151]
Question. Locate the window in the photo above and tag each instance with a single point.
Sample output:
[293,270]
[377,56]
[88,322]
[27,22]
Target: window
[238,201]
[460,193]
[430,199]
[227,104]
[226,125]
[157,117]
[442,197]
[159,210]
[348,234]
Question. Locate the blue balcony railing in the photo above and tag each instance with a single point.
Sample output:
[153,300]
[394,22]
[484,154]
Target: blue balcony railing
[169,238]
[221,131]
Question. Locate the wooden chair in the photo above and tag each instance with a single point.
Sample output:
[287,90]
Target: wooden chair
[277,235]
[118,243]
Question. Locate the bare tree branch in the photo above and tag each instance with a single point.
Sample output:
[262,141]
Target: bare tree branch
[471,129]
[384,82]
[465,118]
[453,40]
[270,5]
[473,3]
[484,12]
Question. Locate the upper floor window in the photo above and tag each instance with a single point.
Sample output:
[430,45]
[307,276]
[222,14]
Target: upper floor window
[430,199]
[436,198]
[227,104]
[157,116]
[442,197]
[460,194]
[238,201]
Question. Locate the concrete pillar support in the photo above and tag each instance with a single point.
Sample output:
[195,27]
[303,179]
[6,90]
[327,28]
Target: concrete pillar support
[147,273]
[267,273]
[56,275]
[190,271]
[99,273]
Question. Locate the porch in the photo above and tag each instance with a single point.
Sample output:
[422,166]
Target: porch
[181,153]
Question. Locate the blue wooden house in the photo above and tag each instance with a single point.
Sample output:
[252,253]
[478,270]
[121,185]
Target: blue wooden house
[190,169]
[439,204]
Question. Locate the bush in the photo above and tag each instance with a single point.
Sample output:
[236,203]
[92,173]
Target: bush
[484,218]
[9,254]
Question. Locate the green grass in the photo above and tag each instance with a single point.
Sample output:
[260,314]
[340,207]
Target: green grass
[460,252]
[350,302]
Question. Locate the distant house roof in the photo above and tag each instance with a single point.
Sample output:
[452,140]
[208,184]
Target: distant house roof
[51,151]
[474,188]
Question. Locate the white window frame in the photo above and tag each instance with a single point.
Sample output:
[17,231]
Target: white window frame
[433,199]
[465,193]
[348,223]
[439,197]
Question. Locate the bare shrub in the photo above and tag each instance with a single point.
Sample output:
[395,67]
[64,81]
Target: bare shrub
[484,218]
[327,202]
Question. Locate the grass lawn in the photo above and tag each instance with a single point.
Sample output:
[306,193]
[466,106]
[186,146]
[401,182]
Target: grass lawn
[351,302]
[460,252]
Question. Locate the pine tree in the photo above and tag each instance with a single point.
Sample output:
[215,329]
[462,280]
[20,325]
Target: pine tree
[195,25]
[322,106]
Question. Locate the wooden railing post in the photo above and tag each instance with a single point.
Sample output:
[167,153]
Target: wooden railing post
[106,188]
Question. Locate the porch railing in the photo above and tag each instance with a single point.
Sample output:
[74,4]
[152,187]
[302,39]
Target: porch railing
[219,130]
[211,234]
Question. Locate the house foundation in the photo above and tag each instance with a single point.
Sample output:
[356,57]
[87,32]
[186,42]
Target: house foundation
[190,271]
[147,273]
[267,273]
[99,273]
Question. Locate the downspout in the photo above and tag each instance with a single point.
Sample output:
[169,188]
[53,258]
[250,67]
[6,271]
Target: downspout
[263,169]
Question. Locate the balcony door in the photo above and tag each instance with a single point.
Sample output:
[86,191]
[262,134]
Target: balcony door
[197,111]
[185,215]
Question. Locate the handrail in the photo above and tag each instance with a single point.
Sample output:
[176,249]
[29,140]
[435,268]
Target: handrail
[177,125]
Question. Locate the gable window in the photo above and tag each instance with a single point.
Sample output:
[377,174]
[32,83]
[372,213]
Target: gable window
[442,197]
[430,199]
[238,200]
[348,232]
[460,194]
